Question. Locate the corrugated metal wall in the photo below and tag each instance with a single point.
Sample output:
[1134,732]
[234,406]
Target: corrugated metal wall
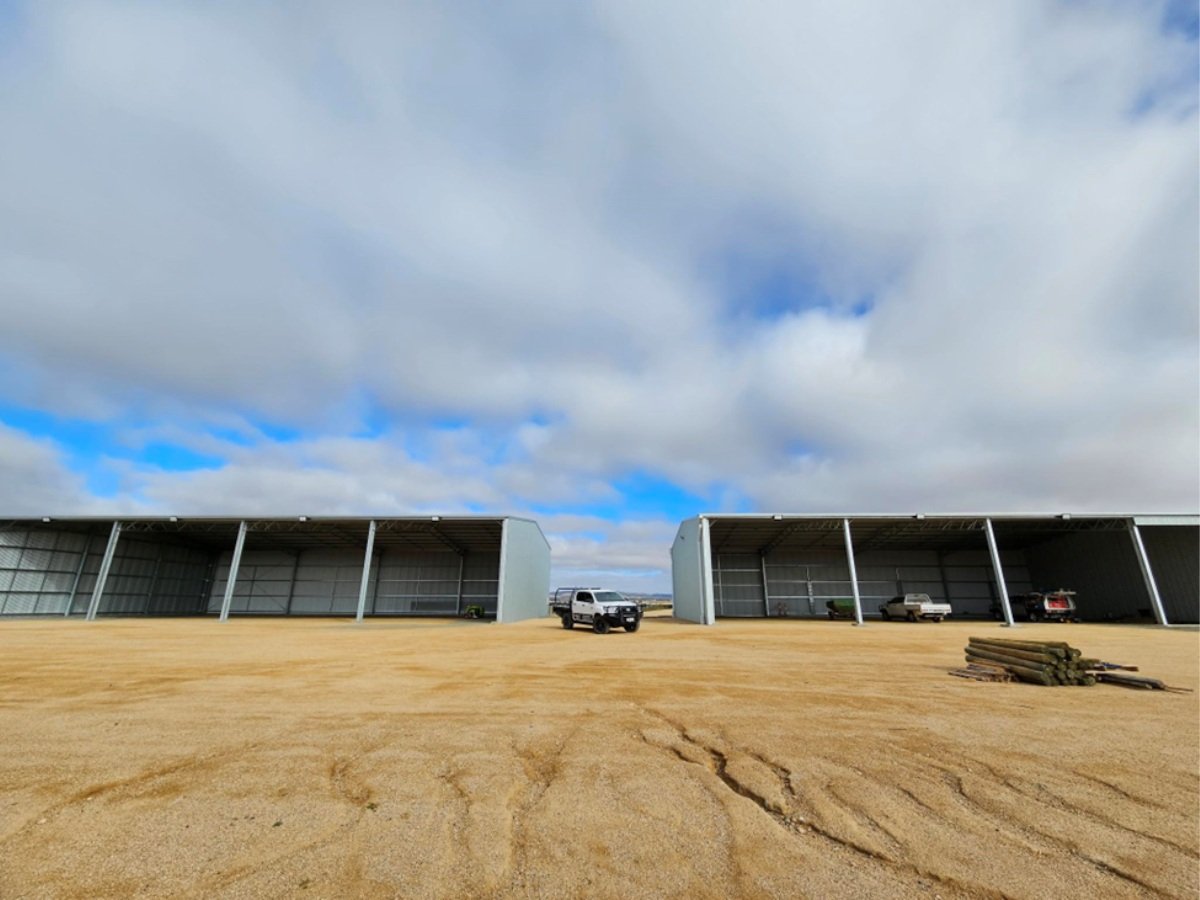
[148,577]
[1100,566]
[799,583]
[526,572]
[1175,558]
[37,570]
[39,567]
[181,582]
[426,583]
[737,584]
[413,582]
[264,584]
[320,581]
[687,584]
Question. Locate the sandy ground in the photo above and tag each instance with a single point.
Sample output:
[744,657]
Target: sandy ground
[316,758]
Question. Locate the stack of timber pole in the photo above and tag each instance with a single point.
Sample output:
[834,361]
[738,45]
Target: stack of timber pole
[1037,662]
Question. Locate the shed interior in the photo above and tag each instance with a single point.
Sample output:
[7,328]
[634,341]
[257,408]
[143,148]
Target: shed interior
[790,566]
[296,566]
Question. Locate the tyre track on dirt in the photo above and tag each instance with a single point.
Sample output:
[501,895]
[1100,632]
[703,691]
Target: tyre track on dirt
[784,816]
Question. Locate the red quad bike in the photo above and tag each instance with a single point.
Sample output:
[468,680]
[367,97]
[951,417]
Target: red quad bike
[1038,606]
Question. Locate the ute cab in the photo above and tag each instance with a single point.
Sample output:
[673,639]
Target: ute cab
[598,608]
[913,607]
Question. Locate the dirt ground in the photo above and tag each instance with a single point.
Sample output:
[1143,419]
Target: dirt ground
[261,758]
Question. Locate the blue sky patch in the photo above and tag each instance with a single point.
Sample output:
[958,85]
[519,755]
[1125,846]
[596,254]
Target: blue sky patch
[1182,17]
[75,436]
[89,448]
[770,289]
[642,495]
[13,24]
[280,434]
[176,459]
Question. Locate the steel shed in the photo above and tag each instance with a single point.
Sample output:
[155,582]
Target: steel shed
[278,566]
[1123,567]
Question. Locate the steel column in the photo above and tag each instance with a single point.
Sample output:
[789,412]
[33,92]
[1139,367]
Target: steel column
[708,614]
[941,561]
[858,618]
[287,609]
[378,578]
[102,576]
[83,557]
[153,580]
[1001,587]
[762,562]
[1148,574]
[500,575]
[234,564]
[204,601]
[462,561]
[366,575]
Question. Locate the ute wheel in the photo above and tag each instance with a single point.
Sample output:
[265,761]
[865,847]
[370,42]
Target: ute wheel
[937,620]
[912,616]
[884,614]
[567,623]
[1034,617]
[634,627]
[600,626]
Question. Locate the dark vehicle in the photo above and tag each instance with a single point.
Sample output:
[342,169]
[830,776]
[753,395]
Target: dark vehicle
[1038,606]
[840,609]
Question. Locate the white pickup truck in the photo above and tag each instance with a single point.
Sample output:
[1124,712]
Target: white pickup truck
[913,607]
[602,610]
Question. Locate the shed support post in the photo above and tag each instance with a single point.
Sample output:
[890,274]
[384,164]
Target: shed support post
[287,610]
[858,618]
[708,612]
[462,562]
[234,564]
[378,578]
[83,556]
[941,561]
[102,576]
[153,581]
[1148,574]
[762,563]
[366,575]
[1001,587]
[500,578]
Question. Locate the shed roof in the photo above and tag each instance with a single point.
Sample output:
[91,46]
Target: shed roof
[461,534]
[764,533]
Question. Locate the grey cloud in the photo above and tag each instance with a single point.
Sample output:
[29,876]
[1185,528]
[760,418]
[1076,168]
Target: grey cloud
[500,215]
[36,479]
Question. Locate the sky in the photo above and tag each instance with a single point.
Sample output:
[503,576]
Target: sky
[604,264]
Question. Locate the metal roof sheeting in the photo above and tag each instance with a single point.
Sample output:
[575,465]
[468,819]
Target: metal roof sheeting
[763,534]
[457,533]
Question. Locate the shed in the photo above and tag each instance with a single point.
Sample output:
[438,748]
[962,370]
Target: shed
[280,566]
[1123,567]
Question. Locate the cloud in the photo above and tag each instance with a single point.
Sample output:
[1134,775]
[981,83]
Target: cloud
[36,478]
[826,257]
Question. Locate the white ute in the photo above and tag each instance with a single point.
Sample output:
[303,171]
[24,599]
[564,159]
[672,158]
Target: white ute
[602,610]
[913,607]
